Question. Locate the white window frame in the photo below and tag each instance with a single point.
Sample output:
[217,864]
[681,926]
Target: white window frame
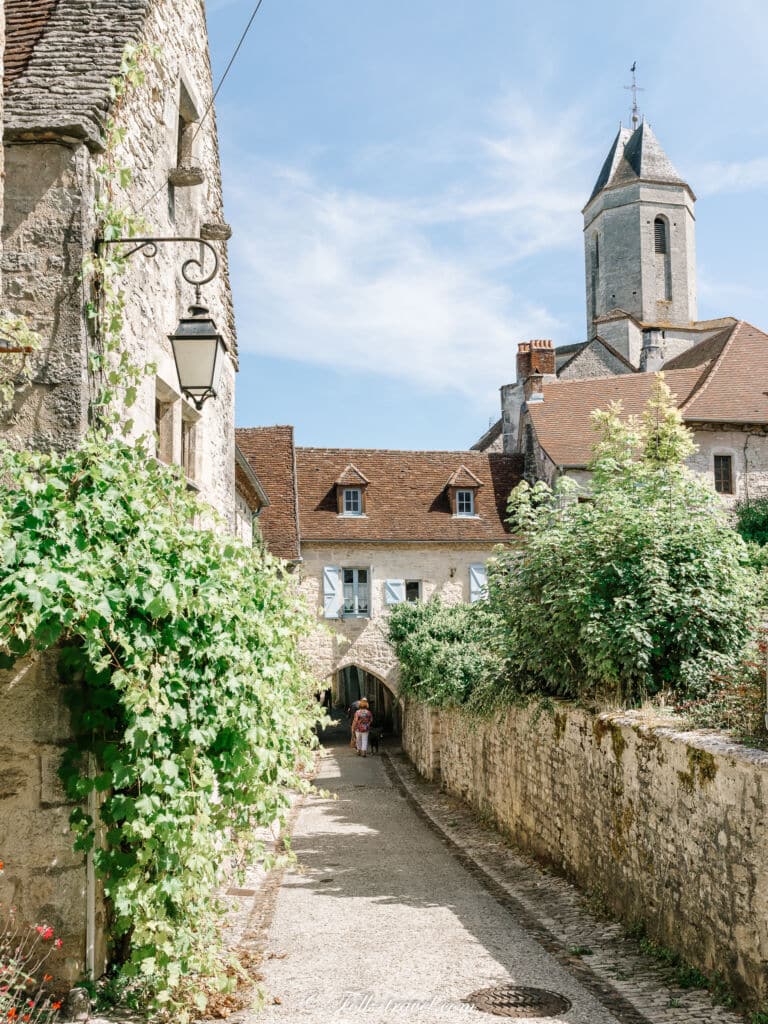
[356,585]
[358,511]
[465,491]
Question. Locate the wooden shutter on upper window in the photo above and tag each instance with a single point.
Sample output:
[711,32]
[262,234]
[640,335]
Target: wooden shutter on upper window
[394,591]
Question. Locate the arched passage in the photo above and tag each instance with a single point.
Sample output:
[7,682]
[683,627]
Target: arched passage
[353,681]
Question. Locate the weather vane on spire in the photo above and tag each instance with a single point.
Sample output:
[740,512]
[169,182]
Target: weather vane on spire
[635,89]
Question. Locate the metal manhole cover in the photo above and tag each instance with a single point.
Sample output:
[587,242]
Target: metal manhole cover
[518,1001]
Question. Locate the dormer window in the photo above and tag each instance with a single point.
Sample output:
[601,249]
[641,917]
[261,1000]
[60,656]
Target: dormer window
[353,501]
[350,492]
[462,488]
[465,502]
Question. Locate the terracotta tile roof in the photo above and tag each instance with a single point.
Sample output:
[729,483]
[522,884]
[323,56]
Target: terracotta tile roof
[723,379]
[270,454]
[25,22]
[407,498]
[563,420]
[734,388]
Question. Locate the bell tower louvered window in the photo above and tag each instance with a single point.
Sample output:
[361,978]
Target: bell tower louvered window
[661,248]
[660,236]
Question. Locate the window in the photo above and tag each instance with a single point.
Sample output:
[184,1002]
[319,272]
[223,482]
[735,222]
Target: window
[353,501]
[724,474]
[660,235]
[465,503]
[164,430]
[188,447]
[356,592]
[412,590]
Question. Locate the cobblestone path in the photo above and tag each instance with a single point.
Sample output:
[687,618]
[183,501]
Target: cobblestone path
[394,916]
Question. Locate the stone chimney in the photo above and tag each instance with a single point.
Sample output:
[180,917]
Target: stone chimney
[652,352]
[535,363]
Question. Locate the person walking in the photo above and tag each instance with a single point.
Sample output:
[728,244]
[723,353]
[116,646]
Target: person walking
[361,726]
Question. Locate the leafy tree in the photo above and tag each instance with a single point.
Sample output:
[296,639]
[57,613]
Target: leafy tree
[644,587]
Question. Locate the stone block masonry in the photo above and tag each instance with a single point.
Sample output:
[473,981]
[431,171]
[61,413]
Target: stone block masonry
[668,828]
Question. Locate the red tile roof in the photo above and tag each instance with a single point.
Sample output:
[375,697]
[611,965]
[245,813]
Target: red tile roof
[563,421]
[352,477]
[407,497]
[734,389]
[463,477]
[721,380]
[270,453]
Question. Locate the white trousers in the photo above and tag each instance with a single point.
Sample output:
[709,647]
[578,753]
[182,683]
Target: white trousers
[362,741]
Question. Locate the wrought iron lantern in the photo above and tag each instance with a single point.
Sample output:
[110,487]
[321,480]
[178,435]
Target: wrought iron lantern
[198,348]
[199,351]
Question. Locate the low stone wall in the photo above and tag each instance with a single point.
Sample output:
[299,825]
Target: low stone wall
[668,828]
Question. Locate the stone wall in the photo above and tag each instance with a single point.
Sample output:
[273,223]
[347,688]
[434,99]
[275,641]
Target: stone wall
[442,569]
[667,828]
[43,878]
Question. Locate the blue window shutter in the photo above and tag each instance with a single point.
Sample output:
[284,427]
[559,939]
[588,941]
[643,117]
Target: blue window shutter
[478,582]
[332,591]
[394,591]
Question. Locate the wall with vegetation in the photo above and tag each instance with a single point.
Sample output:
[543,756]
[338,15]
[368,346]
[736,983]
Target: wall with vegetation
[667,828]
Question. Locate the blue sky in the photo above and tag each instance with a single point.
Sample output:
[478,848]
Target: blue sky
[405,182]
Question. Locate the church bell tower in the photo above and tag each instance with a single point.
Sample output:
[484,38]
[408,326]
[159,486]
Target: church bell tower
[639,243]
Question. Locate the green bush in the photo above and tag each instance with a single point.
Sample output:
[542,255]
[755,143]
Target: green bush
[752,520]
[643,588]
[190,708]
[445,651]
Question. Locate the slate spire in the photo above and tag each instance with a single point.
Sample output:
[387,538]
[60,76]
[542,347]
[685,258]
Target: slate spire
[636,156]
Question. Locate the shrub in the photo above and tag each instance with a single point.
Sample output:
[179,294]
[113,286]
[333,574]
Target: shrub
[445,651]
[642,588]
[190,709]
[752,519]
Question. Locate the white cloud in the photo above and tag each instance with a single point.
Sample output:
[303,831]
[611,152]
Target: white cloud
[418,287]
[738,176]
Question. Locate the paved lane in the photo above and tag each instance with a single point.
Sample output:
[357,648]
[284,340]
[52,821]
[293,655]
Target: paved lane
[383,924]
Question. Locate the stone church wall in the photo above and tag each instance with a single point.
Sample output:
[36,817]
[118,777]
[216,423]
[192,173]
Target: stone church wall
[668,829]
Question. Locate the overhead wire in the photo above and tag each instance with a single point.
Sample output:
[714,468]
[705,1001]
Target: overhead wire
[216,92]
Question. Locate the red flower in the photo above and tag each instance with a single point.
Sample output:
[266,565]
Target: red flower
[58,943]
[39,929]
[47,977]
[12,1014]
[48,933]
[56,1006]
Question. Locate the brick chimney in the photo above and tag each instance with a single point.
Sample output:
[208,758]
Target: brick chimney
[535,362]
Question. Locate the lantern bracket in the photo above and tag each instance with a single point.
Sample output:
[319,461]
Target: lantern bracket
[148,246]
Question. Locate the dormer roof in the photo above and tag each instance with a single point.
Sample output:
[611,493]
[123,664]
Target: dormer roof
[463,477]
[636,156]
[352,477]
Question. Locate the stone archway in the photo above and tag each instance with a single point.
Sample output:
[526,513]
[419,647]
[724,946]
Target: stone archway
[352,681]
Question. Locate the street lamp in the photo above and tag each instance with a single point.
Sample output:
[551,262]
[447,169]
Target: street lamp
[199,351]
[198,348]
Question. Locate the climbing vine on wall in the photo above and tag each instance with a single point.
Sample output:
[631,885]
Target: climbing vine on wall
[191,711]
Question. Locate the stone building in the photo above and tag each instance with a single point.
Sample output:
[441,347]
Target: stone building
[59,58]
[640,288]
[367,529]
